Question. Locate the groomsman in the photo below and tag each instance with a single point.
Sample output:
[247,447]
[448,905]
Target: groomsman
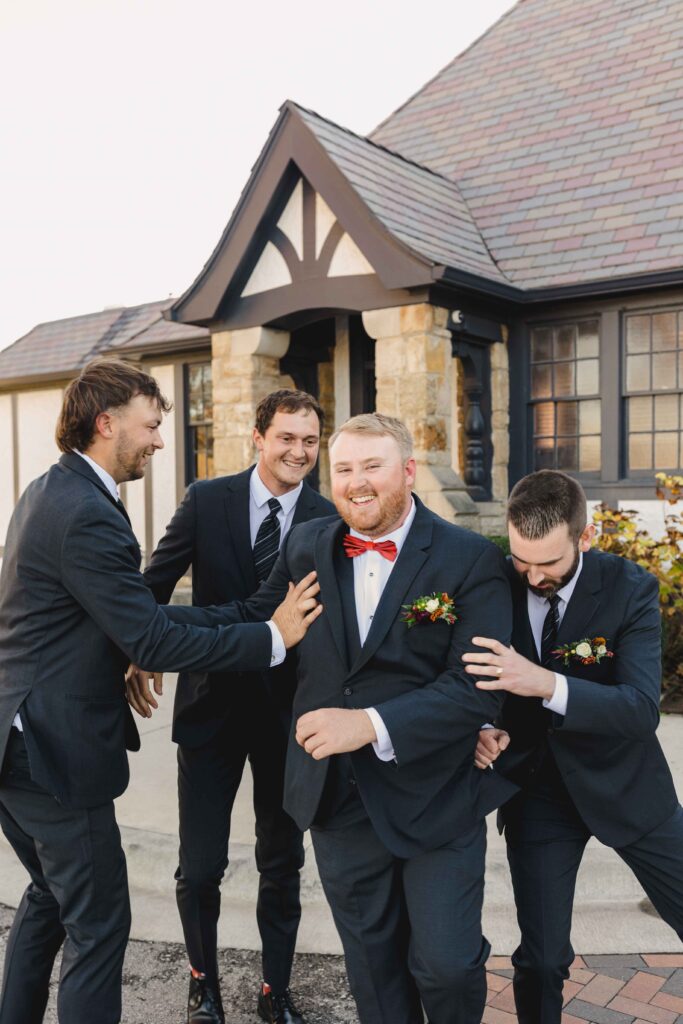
[380,767]
[230,530]
[577,729]
[74,610]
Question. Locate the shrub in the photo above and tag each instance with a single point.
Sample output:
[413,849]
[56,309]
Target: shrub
[619,532]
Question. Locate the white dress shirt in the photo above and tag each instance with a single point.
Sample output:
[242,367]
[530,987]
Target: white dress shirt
[259,496]
[110,484]
[370,574]
[537,608]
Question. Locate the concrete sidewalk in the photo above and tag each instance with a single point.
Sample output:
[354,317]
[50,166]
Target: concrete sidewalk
[611,913]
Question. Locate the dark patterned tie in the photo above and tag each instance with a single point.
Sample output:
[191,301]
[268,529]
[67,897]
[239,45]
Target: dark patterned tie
[267,541]
[551,624]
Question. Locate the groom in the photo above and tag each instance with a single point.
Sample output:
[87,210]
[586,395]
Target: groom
[381,766]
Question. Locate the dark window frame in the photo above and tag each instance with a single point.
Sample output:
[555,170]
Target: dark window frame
[191,427]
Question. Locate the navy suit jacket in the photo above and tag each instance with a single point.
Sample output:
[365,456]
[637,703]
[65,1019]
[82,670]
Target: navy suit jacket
[414,677]
[210,531]
[74,610]
[605,746]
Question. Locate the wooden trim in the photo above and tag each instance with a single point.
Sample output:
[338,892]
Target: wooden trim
[149,508]
[14,404]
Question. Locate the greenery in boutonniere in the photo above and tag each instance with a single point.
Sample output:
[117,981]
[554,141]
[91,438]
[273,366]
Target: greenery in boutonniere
[429,608]
[587,651]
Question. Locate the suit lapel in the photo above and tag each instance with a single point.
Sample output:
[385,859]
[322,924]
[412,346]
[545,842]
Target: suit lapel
[74,462]
[237,513]
[327,541]
[305,506]
[522,636]
[584,602]
[412,557]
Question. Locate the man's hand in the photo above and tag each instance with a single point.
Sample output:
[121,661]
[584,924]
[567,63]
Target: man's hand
[138,693]
[298,610]
[513,672]
[490,744]
[334,731]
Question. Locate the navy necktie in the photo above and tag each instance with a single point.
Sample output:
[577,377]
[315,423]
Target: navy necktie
[551,625]
[267,543]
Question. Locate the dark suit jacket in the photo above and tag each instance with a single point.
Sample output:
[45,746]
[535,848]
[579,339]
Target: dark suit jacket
[414,677]
[74,610]
[605,746]
[210,531]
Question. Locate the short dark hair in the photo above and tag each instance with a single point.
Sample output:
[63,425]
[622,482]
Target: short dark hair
[101,385]
[546,499]
[285,400]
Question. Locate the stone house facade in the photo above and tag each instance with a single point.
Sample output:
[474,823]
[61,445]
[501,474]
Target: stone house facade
[499,263]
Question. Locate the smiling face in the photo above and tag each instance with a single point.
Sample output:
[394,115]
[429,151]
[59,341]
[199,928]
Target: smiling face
[137,437]
[288,449]
[371,482]
[548,563]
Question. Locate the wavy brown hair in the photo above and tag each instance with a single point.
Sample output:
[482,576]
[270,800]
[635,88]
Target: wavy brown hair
[102,385]
[285,400]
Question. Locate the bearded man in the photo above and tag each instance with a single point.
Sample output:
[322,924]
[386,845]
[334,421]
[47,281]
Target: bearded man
[380,765]
[583,681]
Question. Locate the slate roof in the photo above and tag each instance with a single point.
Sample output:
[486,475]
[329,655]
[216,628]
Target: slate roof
[63,346]
[563,129]
[422,209]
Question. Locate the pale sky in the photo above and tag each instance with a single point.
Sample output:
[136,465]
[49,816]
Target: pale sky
[129,128]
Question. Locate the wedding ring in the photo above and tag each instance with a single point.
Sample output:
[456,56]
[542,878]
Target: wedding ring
[500,671]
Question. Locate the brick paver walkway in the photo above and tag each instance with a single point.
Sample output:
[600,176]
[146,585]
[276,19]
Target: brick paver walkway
[634,989]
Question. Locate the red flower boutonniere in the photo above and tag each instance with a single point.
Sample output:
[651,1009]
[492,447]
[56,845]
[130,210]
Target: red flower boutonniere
[586,651]
[430,608]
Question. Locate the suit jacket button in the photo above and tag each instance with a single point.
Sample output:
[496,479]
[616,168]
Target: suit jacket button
[348,691]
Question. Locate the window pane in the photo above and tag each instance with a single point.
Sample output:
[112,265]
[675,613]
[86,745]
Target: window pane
[666,412]
[567,453]
[589,454]
[639,414]
[567,418]
[664,331]
[587,377]
[564,378]
[544,419]
[564,342]
[664,371]
[640,451]
[541,344]
[666,451]
[638,373]
[541,386]
[587,344]
[589,417]
[544,454]
[638,334]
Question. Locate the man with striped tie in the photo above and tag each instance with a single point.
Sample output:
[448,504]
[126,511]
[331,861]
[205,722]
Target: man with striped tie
[230,530]
[578,725]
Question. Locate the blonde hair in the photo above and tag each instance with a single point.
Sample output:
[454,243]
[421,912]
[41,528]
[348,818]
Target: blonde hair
[376,423]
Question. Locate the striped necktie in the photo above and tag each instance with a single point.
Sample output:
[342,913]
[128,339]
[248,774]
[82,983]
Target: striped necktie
[551,624]
[267,543]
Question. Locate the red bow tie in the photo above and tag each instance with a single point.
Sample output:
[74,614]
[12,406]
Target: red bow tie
[357,546]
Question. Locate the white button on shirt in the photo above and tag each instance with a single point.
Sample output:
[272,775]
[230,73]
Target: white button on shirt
[537,608]
[370,574]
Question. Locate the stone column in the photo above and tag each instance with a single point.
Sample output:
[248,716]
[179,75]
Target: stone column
[245,366]
[414,381]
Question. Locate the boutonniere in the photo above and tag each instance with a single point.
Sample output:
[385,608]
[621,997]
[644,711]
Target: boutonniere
[430,608]
[586,651]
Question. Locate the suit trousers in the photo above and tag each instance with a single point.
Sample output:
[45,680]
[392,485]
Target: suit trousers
[546,838]
[411,929]
[77,898]
[208,779]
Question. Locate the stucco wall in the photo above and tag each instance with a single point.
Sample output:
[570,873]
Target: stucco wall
[37,413]
[6,465]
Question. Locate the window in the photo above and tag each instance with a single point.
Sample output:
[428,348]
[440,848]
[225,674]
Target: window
[565,396]
[199,422]
[653,386]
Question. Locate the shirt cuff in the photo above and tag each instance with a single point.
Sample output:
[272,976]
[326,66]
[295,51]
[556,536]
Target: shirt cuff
[279,651]
[558,701]
[383,746]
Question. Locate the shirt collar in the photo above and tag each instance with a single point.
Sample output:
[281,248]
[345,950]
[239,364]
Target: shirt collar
[399,535]
[261,494]
[567,590]
[106,479]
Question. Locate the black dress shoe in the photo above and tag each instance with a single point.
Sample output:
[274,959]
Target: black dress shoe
[279,1009]
[204,1003]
